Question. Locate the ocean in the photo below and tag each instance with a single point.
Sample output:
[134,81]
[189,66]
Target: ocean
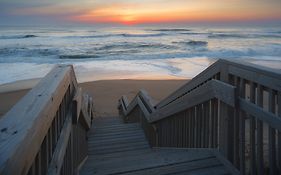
[132,52]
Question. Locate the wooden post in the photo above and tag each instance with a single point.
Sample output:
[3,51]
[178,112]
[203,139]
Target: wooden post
[225,122]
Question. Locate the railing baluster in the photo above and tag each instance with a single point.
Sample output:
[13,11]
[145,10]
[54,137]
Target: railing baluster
[223,129]
[185,128]
[200,128]
[212,125]
[279,133]
[177,129]
[168,132]
[172,133]
[50,150]
[32,170]
[192,128]
[206,125]
[252,132]
[199,125]
[38,163]
[203,122]
[189,119]
[181,129]
[242,129]
[236,159]
[216,126]
[45,159]
[197,136]
[260,159]
[164,131]
[271,136]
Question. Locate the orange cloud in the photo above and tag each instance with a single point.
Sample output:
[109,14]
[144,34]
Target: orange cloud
[159,11]
[136,14]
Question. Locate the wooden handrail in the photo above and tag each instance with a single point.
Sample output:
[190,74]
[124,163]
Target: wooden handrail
[198,80]
[33,134]
[262,75]
[210,90]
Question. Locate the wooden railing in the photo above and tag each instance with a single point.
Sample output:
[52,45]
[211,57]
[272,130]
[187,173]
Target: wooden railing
[46,131]
[233,107]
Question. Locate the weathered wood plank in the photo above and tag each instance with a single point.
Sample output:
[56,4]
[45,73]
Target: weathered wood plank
[146,161]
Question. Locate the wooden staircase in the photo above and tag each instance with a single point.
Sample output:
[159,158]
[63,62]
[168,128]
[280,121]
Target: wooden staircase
[115,147]
[226,120]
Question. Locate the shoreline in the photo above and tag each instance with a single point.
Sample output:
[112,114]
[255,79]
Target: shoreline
[30,83]
[105,93]
[174,68]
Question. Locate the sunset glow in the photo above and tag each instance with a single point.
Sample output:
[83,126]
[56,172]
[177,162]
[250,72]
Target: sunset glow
[185,12]
[145,11]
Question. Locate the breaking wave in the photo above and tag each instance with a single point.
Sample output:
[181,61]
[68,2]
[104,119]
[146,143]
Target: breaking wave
[18,37]
[193,43]
[242,36]
[171,30]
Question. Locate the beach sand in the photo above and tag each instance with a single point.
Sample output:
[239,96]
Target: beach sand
[105,93]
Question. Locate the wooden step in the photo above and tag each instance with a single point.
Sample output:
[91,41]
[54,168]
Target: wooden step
[118,148]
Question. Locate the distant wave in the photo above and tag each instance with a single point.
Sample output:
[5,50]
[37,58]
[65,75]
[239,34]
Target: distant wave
[223,35]
[89,36]
[269,36]
[18,37]
[143,35]
[193,43]
[242,36]
[193,33]
[129,45]
[119,35]
[22,51]
[171,30]
[78,56]
[275,32]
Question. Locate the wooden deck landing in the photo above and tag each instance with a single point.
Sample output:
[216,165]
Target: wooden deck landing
[119,148]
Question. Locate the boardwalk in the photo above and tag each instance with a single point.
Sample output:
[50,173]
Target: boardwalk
[119,148]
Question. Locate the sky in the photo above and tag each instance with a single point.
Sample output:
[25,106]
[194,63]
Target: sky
[134,12]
